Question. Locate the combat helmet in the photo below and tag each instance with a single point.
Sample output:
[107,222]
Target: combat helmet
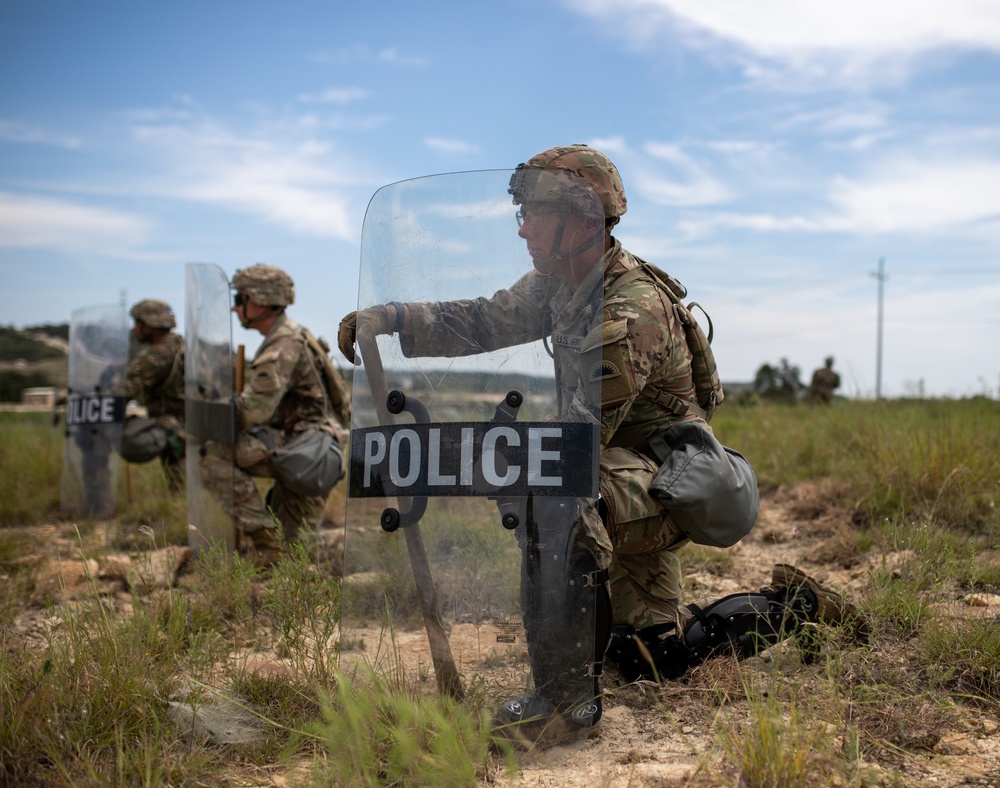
[154,313]
[574,173]
[265,285]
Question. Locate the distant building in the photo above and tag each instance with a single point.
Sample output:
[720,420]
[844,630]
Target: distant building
[39,397]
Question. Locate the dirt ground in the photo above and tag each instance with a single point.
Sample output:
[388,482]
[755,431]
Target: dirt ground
[653,736]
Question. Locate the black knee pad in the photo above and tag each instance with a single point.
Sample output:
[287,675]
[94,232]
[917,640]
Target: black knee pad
[654,652]
[739,625]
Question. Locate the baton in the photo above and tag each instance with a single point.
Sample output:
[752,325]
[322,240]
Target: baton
[449,682]
[239,370]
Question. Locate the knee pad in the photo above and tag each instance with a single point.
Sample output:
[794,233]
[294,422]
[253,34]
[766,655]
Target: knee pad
[740,625]
[654,652]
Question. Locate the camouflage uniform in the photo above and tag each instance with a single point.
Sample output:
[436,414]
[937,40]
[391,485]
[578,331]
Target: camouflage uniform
[155,377]
[824,381]
[639,348]
[285,393]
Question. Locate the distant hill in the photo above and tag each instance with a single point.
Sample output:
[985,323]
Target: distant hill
[35,356]
[29,345]
[54,330]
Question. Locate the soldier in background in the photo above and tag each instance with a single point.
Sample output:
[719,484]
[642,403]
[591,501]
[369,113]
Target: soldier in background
[155,377]
[824,381]
[291,386]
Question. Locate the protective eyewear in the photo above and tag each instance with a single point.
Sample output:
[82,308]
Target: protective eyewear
[534,213]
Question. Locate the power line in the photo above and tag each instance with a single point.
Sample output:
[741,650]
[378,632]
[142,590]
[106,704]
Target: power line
[878,352]
[948,271]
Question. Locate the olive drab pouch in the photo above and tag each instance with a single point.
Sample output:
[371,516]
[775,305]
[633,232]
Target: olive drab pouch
[143,440]
[310,464]
[709,489]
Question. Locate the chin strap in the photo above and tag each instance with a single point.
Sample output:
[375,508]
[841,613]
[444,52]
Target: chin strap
[545,266]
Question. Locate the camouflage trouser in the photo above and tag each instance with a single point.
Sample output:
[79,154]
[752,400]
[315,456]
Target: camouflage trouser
[639,543]
[226,469]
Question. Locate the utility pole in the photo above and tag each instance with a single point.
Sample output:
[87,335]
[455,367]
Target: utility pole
[881,277]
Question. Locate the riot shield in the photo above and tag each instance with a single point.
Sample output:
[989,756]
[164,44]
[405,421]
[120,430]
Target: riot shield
[208,406]
[469,465]
[95,410]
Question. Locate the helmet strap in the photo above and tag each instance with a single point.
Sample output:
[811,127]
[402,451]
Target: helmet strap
[555,256]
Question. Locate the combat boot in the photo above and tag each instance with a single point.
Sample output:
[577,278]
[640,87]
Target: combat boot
[832,607]
[266,550]
[532,721]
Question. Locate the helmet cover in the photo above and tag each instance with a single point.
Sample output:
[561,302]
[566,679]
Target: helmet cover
[154,313]
[599,174]
[265,285]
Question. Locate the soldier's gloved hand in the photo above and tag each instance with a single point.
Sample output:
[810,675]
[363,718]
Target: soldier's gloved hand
[367,323]
[346,334]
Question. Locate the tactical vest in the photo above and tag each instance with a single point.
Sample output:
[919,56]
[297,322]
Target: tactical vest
[708,387]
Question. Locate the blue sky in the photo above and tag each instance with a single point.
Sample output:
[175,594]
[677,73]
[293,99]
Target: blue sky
[772,153]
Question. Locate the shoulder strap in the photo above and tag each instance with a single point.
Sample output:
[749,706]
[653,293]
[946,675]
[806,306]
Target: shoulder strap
[675,291]
[335,388]
[173,385]
[623,279]
[176,370]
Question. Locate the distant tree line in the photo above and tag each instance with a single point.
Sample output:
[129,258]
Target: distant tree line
[781,383]
[13,382]
[16,345]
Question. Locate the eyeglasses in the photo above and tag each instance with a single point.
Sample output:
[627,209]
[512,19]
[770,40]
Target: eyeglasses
[239,299]
[533,213]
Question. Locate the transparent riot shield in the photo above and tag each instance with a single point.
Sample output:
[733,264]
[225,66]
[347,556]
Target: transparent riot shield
[472,461]
[95,410]
[208,407]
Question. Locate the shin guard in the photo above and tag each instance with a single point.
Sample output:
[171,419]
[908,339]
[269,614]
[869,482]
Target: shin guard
[566,607]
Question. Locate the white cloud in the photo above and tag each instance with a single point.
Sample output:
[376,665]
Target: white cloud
[688,184]
[280,175]
[334,96]
[15,131]
[782,27]
[392,55]
[28,221]
[810,40]
[902,197]
[360,53]
[916,196]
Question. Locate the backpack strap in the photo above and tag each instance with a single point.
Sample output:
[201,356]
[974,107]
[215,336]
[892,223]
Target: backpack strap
[675,291]
[173,385]
[339,400]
